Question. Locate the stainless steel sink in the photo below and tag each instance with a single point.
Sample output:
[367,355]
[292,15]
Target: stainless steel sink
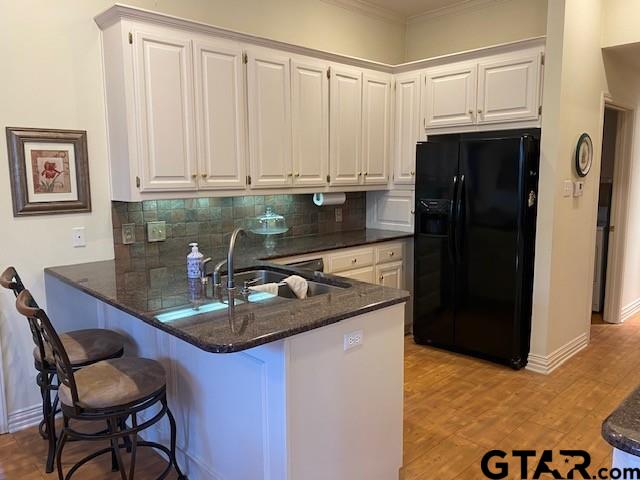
[260,277]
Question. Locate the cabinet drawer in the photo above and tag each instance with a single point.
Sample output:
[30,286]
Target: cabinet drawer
[389,253]
[351,260]
[365,274]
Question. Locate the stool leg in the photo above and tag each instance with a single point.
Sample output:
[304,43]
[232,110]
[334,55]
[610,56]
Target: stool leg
[172,422]
[113,428]
[60,447]
[133,446]
[50,421]
[40,380]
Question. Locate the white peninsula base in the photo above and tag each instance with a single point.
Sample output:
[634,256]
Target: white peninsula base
[301,408]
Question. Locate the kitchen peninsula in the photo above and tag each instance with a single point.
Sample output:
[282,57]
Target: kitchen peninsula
[274,389]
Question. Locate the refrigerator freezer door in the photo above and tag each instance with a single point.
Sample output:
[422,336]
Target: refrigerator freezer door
[434,255]
[490,201]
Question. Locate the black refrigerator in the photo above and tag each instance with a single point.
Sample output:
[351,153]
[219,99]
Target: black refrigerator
[476,200]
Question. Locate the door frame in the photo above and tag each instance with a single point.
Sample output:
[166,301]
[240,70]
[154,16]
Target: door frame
[4,414]
[616,250]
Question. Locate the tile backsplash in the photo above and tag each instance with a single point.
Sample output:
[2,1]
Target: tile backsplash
[210,221]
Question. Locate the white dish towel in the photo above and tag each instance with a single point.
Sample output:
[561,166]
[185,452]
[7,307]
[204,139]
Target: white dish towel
[271,288]
[298,285]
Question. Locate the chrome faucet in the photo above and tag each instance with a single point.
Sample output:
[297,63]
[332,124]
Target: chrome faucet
[217,281]
[232,246]
[203,269]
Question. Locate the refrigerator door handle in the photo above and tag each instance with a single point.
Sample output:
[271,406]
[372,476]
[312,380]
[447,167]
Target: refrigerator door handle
[452,222]
[458,227]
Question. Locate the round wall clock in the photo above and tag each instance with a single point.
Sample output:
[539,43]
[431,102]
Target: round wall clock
[584,155]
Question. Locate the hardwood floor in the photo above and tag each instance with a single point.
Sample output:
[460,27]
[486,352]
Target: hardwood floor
[456,408]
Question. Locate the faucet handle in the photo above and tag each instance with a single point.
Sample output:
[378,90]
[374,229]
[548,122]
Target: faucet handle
[249,283]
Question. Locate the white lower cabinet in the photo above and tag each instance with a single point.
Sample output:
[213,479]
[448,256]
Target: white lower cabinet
[366,274]
[390,275]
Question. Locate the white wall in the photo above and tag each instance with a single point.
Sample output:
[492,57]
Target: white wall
[566,226]
[52,79]
[492,23]
[620,22]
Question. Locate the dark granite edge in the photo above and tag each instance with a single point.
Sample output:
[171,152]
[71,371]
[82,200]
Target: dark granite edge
[624,438]
[230,348]
[393,236]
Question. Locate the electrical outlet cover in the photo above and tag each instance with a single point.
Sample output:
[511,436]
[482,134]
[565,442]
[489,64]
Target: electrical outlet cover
[128,233]
[338,215]
[156,231]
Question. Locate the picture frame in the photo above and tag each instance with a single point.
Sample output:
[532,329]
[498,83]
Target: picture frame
[49,171]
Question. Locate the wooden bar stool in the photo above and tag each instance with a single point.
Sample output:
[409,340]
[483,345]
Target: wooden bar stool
[84,347]
[110,390]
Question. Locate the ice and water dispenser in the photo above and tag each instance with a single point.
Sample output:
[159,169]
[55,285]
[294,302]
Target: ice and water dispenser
[433,216]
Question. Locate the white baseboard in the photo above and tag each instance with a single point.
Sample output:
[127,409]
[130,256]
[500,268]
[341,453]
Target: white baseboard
[548,363]
[630,310]
[25,418]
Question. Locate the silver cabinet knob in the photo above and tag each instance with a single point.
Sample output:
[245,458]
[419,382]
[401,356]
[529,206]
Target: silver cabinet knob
[413,211]
[290,174]
[479,111]
[381,277]
[297,174]
[391,254]
[355,260]
[413,173]
[470,112]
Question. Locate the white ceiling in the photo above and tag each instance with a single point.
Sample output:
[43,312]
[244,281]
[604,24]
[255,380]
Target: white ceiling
[408,8]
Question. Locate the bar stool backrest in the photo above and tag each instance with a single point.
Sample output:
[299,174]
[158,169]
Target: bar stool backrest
[11,281]
[41,323]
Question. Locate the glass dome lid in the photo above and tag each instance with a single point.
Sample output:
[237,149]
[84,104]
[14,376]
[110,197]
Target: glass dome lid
[269,223]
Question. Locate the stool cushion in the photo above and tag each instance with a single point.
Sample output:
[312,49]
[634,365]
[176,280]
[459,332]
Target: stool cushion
[86,346]
[116,382]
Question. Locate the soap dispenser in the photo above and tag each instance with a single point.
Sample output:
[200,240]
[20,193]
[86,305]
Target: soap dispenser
[194,261]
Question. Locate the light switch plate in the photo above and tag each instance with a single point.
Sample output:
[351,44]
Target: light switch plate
[567,188]
[578,188]
[156,231]
[128,233]
[77,237]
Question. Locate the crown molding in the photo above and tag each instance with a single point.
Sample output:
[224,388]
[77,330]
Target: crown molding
[120,11]
[461,6]
[371,10]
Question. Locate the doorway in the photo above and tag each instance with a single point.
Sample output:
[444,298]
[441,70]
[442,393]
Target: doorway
[611,214]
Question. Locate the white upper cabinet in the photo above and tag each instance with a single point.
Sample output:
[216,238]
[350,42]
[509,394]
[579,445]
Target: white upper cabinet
[376,128]
[450,95]
[220,109]
[310,112]
[345,126]
[269,100]
[163,79]
[406,127]
[508,88]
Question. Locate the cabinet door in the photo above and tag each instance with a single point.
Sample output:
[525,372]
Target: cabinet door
[220,109]
[310,112]
[390,274]
[269,100]
[407,128]
[376,126]
[163,77]
[391,210]
[509,88]
[450,95]
[345,126]
[365,274]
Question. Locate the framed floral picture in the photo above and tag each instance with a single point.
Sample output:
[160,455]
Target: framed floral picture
[49,171]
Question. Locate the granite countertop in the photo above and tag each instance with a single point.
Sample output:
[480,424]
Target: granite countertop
[622,428]
[147,287]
